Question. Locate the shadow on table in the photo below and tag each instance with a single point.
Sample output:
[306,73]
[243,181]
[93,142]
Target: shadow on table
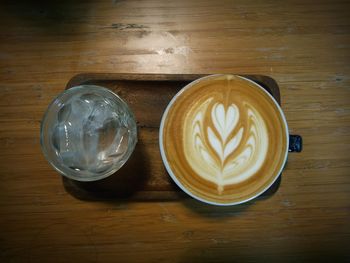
[133,182]
[49,17]
[212,211]
[236,249]
[123,187]
[220,251]
[120,186]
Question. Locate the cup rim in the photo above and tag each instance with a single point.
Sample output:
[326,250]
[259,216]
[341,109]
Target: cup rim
[44,147]
[165,160]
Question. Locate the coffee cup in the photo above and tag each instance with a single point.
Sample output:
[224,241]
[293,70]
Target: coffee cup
[224,139]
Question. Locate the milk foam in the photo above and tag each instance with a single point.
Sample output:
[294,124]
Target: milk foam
[222,148]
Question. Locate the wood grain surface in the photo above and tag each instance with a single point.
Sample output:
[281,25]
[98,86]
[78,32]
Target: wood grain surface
[304,45]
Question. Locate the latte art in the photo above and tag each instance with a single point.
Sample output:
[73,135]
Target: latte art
[223,139]
[211,148]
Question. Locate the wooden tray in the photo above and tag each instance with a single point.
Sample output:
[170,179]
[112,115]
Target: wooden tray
[144,177]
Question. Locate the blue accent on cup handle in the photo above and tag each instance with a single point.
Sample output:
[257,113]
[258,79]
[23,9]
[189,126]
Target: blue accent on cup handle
[295,143]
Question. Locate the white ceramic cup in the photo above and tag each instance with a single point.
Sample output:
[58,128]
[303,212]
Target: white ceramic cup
[293,143]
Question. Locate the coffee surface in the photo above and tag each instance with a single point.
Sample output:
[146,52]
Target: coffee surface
[224,139]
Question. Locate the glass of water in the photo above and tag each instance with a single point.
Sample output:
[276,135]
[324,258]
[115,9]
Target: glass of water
[88,133]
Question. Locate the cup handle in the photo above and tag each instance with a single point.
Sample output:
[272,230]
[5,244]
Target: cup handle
[295,143]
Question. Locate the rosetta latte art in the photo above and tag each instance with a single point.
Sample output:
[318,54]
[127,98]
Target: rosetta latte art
[225,150]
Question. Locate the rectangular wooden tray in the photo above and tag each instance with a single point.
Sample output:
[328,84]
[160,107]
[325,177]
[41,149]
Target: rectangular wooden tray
[144,177]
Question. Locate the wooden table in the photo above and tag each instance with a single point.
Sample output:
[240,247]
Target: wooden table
[304,45]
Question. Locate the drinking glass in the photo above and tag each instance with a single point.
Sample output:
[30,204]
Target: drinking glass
[88,133]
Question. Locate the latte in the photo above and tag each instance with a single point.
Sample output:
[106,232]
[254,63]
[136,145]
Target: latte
[223,139]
